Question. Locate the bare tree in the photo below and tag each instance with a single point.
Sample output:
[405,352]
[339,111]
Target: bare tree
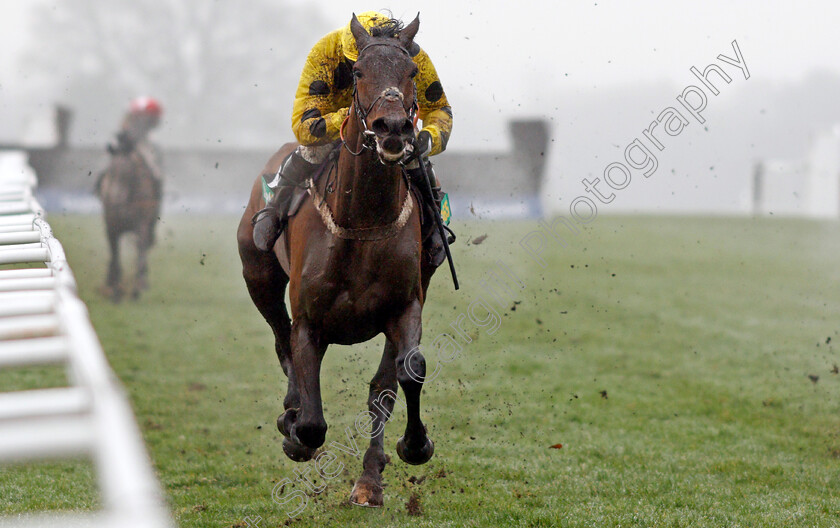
[225,70]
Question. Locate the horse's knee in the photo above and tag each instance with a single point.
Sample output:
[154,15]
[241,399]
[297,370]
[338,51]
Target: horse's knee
[245,239]
[411,368]
[253,276]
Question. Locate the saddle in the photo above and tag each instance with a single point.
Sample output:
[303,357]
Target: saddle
[139,150]
[432,248]
[301,191]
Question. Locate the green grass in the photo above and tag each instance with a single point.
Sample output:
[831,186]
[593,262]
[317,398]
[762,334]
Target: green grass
[701,331]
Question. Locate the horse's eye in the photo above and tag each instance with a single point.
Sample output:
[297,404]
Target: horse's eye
[414,73]
[357,74]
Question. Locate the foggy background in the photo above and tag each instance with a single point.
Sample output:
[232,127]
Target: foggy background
[596,72]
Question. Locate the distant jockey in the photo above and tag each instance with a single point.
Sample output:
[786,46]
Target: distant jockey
[142,117]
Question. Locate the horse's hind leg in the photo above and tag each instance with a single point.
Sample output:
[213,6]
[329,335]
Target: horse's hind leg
[383,392]
[113,284]
[144,242]
[414,447]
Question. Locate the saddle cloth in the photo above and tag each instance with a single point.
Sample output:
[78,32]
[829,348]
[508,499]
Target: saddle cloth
[300,192]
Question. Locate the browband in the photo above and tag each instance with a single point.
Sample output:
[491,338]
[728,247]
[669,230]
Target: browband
[385,43]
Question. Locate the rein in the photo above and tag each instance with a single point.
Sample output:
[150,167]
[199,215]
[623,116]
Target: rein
[368,143]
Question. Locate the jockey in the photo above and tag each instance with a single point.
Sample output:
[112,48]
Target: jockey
[143,115]
[322,102]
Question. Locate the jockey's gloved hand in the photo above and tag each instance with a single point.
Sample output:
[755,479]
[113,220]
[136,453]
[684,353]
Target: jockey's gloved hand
[423,143]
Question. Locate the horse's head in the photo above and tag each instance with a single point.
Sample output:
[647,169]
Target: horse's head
[384,97]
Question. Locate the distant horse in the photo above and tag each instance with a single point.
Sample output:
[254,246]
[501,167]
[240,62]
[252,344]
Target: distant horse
[130,198]
[352,257]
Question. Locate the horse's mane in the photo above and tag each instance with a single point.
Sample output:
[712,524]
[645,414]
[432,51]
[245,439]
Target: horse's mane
[390,28]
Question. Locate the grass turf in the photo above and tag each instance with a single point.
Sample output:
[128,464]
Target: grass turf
[670,357]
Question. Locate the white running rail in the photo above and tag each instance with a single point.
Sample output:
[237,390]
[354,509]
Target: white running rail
[43,322]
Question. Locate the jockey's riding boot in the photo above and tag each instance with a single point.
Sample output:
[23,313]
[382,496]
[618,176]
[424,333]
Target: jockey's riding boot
[416,176]
[432,244]
[270,221]
[124,145]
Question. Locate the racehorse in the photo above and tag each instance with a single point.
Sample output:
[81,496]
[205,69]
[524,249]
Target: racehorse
[131,202]
[351,256]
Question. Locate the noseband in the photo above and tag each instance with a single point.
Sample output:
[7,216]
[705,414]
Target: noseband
[388,94]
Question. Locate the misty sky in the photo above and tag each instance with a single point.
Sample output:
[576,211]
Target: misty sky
[597,70]
[508,47]
[511,52]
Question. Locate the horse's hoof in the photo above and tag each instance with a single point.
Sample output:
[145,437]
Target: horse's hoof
[112,294]
[286,421]
[415,457]
[366,493]
[297,452]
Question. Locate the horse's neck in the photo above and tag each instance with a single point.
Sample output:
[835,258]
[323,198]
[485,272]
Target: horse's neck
[368,193]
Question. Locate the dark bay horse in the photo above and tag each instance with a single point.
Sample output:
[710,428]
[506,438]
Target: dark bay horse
[351,257]
[130,198]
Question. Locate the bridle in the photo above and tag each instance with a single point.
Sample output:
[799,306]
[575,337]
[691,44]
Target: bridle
[369,143]
[388,94]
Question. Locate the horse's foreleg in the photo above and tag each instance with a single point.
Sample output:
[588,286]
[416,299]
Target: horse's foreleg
[278,317]
[142,269]
[266,284]
[414,447]
[383,392]
[113,284]
[310,428]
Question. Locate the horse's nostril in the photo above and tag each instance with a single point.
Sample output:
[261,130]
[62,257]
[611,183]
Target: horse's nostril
[380,127]
[392,126]
[407,128]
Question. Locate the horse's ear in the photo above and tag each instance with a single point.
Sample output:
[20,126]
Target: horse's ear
[359,32]
[407,35]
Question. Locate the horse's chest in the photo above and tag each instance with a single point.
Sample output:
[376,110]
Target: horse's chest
[349,315]
[359,293]
[365,298]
